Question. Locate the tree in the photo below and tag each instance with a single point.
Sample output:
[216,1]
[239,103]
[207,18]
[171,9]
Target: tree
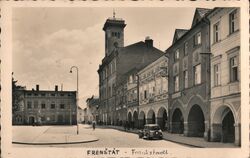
[16,95]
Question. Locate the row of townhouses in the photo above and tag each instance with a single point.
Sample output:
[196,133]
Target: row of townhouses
[193,88]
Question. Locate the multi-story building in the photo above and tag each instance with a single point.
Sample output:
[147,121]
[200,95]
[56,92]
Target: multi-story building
[225,75]
[132,101]
[92,109]
[121,101]
[153,93]
[115,64]
[189,78]
[46,107]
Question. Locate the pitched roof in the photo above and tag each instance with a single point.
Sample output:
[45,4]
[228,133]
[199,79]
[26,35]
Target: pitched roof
[136,56]
[178,34]
[203,11]
[199,14]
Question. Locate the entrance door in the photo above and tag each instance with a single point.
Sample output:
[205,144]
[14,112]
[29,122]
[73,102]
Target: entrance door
[31,120]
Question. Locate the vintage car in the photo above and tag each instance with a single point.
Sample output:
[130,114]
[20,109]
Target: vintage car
[151,131]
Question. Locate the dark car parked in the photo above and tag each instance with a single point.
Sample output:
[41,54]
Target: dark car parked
[151,131]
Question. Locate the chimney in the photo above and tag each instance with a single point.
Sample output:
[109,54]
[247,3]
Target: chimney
[56,88]
[149,41]
[37,87]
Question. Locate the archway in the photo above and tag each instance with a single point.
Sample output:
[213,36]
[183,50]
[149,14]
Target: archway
[31,120]
[135,119]
[223,125]
[177,122]
[162,118]
[142,119]
[228,131]
[151,117]
[196,125]
[129,117]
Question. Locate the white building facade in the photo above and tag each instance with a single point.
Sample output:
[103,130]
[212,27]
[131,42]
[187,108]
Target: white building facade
[225,110]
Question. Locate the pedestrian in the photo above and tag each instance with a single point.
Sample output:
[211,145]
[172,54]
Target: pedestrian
[93,125]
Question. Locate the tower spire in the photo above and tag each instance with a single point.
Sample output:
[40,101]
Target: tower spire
[114,13]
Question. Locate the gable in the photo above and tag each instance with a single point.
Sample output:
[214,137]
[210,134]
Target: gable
[196,18]
[178,34]
[199,14]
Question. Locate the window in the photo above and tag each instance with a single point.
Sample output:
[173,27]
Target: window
[216,32]
[185,48]
[233,69]
[109,92]
[111,70]
[53,106]
[53,94]
[216,74]
[118,34]
[130,79]
[43,105]
[176,55]
[232,22]
[176,83]
[29,104]
[185,74]
[43,94]
[62,106]
[164,85]
[197,39]
[62,94]
[197,74]
[145,94]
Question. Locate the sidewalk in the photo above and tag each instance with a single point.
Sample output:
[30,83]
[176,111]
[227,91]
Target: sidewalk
[177,138]
[49,135]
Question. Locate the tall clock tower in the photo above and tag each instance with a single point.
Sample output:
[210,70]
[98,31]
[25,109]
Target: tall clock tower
[114,34]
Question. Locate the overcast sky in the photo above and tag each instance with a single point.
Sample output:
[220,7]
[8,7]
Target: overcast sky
[48,41]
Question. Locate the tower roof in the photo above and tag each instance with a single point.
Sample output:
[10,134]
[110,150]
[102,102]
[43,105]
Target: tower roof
[117,22]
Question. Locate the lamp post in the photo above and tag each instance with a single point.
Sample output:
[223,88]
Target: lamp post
[76,96]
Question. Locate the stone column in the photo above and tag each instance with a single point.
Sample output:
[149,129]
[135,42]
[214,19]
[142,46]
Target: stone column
[216,131]
[237,128]
[207,131]
[186,132]
[170,127]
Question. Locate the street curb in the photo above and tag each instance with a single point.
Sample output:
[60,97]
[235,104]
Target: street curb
[163,138]
[196,146]
[80,142]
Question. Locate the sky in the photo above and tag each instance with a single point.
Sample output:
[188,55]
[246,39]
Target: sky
[48,41]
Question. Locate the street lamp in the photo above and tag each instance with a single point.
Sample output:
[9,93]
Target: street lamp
[76,96]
